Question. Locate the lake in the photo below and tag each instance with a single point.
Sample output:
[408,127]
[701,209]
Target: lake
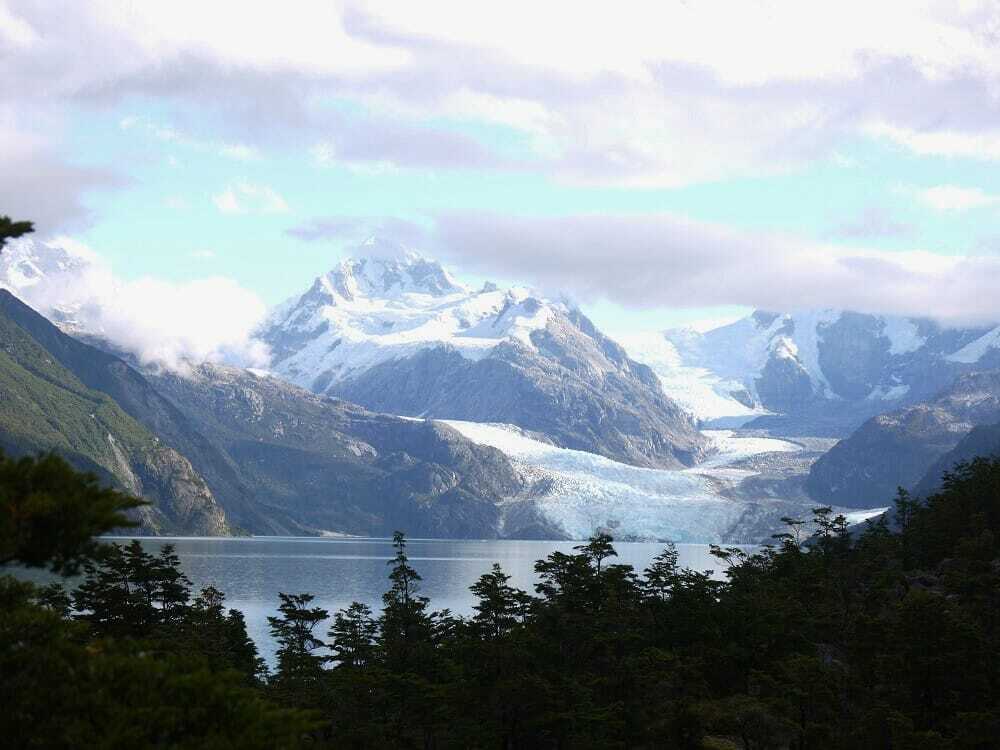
[252,570]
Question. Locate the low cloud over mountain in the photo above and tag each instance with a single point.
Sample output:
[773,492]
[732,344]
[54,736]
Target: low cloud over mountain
[158,321]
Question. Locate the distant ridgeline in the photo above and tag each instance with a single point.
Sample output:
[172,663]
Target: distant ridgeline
[874,640]
[813,372]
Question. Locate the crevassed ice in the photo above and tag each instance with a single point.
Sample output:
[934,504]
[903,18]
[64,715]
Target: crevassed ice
[590,492]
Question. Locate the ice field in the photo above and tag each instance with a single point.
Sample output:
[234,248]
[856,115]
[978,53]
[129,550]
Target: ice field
[587,491]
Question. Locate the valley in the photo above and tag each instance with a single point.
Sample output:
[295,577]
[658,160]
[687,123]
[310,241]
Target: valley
[737,496]
[398,396]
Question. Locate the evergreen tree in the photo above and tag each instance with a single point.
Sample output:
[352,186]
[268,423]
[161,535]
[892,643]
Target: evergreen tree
[353,635]
[597,549]
[50,513]
[299,677]
[405,625]
[500,606]
[128,592]
[662,575]
[10,229]
[68,683]
[221,637]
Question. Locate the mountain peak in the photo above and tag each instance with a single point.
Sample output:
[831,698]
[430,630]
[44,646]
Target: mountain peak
[385,249]
[26,262]
[383,268]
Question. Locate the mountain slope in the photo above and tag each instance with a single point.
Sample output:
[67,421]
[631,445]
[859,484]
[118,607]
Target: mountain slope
[277,458]
[45,406]
[897,449]
[108,373]
[823,371]
[394,332]
[314,464]
[983,440]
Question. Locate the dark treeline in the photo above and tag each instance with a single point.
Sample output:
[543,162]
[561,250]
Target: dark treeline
[884,639]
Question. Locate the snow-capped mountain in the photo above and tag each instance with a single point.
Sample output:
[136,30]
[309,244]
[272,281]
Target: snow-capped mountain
[393,331]
[25,264]
[388,304]
[157,321]
[838,365]
[55,277]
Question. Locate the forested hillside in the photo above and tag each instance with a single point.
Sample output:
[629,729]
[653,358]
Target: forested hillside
[46,406]
[883,640]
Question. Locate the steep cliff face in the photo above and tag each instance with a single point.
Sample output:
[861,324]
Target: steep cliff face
[398,334]
[899,448]
[314,464]
[45,406]
[182,500]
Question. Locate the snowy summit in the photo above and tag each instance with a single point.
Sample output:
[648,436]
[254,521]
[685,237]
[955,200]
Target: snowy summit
[389,302]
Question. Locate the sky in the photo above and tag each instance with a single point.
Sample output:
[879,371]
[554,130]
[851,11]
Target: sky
[657,163]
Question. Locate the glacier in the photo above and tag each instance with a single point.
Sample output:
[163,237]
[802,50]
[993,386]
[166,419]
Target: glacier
[584,492]
[705,394]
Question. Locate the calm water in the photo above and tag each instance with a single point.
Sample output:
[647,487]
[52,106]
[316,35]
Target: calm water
[251,571]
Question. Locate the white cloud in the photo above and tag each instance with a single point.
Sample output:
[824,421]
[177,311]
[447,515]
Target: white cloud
[301,35]
[239,152]
[37,181]
[664,260]
[169,134]
[163,322]
[955,198]
[324,154]
[16,31]
[167,322]
[155,129]
[227,202]
[941,142]
[823,40]
[639,94]
[244,197]
[203,254]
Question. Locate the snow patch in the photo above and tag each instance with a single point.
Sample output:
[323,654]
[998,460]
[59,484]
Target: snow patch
[976,350]
[903,334]
[882,393]
[736,354]
[860,516]
[698,390]
[808,330]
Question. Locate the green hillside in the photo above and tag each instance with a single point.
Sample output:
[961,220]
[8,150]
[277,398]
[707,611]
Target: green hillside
[43,406]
